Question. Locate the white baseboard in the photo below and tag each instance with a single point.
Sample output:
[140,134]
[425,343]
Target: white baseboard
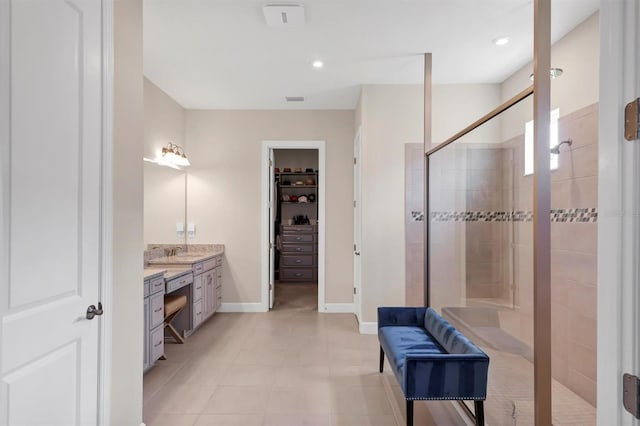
[241,307]
[368,328]
[339,308]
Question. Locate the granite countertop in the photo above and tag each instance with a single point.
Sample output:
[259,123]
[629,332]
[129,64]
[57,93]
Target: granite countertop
[188,257]
[170,273]
[152,272]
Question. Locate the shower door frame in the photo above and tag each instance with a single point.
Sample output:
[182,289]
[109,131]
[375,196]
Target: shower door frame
[541,91]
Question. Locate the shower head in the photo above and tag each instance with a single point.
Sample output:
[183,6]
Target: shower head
[556,149]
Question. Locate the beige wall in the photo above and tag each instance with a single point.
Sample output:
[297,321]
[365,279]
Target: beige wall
[126,310]
[224,182]
[392,115]
[578,54]
[164,188]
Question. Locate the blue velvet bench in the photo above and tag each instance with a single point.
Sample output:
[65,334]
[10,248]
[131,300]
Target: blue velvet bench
[431,359]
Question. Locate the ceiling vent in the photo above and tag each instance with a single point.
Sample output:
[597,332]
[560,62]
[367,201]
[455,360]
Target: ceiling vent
[294,98]
[284,15]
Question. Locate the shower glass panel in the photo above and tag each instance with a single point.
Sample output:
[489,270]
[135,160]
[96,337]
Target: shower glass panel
[574,226]
[480,215]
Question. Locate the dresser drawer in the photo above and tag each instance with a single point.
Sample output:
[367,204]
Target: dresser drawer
[297,238]
[301,260]
[295,274]
[297,248]
[156,285]
[156,344]
[156,310]
[298,228]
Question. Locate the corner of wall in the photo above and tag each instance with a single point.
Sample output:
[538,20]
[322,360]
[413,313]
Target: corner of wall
[127,248]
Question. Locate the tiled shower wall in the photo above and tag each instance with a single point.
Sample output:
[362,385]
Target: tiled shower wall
[414,224]
[574,256]
[482,241]
[484,248]
[574,199]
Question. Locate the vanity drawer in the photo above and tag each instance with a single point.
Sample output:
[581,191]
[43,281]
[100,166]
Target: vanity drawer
[156,345]
[156,285]
[218,260]
[156,310]
[295,274]
[179,282]
[197,288]
[209,264]
[297,238]
[301,260]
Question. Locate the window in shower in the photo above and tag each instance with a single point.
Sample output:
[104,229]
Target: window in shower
[528,142]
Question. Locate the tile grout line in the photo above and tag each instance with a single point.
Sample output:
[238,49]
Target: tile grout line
[397,413]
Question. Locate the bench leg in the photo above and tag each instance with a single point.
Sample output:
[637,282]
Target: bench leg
[409,412]
[381,359]
[479,408]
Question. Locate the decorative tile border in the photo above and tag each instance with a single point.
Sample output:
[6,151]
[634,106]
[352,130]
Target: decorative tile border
[582,215]
[574,215]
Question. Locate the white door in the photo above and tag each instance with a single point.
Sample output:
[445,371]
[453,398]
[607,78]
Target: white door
[357,225]
[618,211]
[272,232]
[50,189]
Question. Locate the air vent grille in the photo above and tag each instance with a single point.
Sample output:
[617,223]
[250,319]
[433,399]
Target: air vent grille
[284,15]
[294,98]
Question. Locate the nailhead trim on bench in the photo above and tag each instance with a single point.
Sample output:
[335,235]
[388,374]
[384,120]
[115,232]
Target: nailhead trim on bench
[446,398]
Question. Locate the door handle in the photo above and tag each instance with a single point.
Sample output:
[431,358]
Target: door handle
[92,311]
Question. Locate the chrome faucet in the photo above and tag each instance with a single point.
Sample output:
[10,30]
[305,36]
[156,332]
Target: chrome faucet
[173,251]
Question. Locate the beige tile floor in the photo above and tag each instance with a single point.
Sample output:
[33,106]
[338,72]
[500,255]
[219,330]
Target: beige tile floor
[289,367]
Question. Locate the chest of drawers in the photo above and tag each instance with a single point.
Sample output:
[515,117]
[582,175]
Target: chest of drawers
[298,253]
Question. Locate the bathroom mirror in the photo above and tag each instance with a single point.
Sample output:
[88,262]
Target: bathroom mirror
[164,204]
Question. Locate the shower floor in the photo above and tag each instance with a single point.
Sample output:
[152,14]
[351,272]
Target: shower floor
[510,391]
[510,395]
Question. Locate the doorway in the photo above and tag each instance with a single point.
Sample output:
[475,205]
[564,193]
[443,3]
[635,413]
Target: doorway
[293,229]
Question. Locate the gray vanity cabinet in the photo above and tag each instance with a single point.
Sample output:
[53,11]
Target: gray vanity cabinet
[145,359]
[153,320]
[204,296]
[209,292]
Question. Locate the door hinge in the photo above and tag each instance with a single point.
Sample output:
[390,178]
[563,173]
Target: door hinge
[354,204]
[630,391]
[270,163]
[270,286]
[354,290]
[355,160]
[354,247]
[632,120]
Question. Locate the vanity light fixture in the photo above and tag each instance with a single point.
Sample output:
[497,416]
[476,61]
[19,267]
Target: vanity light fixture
[174,154]
[553,72]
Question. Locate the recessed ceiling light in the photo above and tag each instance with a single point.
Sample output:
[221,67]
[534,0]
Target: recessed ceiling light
[317,64]
[501,41]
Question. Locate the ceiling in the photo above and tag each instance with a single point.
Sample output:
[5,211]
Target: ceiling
[220,54]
